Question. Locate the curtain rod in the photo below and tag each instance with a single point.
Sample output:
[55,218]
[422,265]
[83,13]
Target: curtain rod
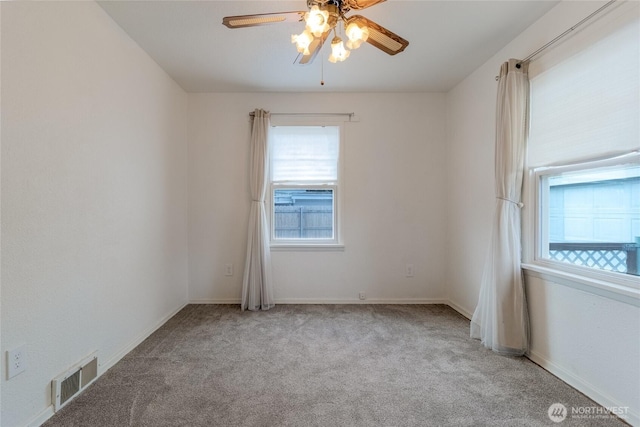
[561,36]
[251,114]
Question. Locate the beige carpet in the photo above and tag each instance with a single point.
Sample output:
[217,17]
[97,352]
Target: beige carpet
[320,365]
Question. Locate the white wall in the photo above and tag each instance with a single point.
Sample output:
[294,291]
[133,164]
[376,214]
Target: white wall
[94,225]
[393,213]
[590,341]
[0,209]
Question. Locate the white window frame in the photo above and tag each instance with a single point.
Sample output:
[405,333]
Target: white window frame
[336,243]
[604,282]
[308,185]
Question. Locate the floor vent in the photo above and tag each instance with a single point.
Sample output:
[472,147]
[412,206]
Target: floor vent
[68,385]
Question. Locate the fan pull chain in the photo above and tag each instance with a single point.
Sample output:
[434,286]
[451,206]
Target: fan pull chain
[322,64]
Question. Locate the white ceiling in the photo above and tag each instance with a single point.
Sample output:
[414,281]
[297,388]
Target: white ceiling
[448,40]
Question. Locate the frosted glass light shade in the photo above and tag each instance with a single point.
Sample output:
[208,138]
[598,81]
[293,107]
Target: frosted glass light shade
[317,21]
[338,52]
[356,35]
[302,41]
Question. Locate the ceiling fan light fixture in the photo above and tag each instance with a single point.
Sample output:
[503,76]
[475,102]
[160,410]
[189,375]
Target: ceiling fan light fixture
[317,21]
[357,35]
[321,18]
[338,52]
[302,41]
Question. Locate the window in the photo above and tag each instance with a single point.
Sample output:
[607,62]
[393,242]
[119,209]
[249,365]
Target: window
[305,185]
[589,214]
[582,217]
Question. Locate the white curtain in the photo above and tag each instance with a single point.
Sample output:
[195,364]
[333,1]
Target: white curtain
[257,289]
[500,320]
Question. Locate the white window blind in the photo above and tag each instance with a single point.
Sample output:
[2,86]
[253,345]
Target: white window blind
[304,153]
[585,98]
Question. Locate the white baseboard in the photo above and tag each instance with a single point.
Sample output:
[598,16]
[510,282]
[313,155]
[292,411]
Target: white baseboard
[359,301]
[43,416]
[582,386]
[459,309]
[330,301]
[215,301]
[103,367]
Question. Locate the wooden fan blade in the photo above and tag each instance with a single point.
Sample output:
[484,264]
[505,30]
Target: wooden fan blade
[380,37]
[314,48]
[360,4]
[243,21]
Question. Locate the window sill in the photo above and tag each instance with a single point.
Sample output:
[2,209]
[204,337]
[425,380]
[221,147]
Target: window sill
[315,247]
[615,291]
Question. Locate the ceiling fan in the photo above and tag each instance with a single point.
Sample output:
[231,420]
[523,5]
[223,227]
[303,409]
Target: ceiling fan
[322,17]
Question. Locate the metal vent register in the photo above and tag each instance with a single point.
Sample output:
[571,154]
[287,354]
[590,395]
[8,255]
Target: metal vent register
[68,385]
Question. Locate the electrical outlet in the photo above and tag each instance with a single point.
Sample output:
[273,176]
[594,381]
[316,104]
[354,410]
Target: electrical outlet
[409,271]
[16,361]
[228,269]
[362,296]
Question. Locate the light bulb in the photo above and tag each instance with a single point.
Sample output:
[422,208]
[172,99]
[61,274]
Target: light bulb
[302,41]
[338,52]
[317,21]
[356,35]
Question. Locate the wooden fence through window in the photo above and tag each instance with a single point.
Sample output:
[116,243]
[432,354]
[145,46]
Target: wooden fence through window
[303,222]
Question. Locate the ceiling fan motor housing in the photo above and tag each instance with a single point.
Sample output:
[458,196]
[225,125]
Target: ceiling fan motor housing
[331,6]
